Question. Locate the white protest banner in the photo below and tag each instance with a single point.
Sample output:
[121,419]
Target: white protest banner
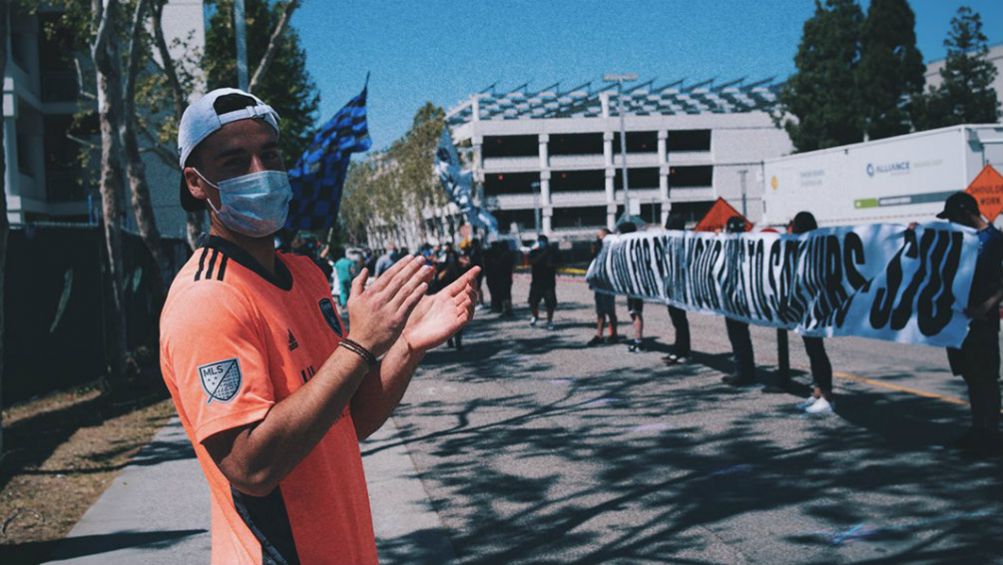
[881,281]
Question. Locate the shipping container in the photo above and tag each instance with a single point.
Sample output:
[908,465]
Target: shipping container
[895,180]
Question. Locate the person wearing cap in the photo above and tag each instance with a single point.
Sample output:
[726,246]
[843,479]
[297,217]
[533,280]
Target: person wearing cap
[738,332]
[978,359]
[272,392]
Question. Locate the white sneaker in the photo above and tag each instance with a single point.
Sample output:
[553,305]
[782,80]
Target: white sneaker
[550,326]
[806,403]
[821,406]
[532,321]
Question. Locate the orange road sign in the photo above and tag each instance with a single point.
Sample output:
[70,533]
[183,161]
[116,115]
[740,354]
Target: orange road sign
[987,188]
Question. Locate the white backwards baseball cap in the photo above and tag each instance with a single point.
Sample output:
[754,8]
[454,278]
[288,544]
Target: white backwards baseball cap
[208,114]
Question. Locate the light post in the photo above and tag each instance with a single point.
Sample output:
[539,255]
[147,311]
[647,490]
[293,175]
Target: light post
[619,79]
[742,174]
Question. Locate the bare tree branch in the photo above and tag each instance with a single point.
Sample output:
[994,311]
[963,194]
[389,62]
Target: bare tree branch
[273,44]
[177,93]
[166,154]
[84,142]
[80,80]
[134,59]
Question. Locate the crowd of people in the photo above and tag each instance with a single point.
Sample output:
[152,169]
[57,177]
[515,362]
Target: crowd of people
[500,258]
[977,361]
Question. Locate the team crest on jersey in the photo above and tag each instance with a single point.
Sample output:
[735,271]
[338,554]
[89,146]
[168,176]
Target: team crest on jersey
[221,380]
[330,316]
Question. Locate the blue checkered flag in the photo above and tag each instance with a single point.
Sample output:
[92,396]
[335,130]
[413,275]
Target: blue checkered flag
[319,175]
[457,182]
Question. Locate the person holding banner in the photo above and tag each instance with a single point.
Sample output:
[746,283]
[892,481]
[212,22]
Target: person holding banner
[820,402]
[978,359]
[681,348]
[738,332]
[635,306]
[605,302]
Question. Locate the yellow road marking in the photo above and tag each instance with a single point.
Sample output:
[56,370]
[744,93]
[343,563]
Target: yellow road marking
[899,388]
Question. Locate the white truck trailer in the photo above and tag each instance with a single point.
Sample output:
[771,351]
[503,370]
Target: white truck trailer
[897,180]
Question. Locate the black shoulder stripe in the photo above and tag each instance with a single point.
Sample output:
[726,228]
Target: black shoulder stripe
[212,263]
[198,273]
[222,268]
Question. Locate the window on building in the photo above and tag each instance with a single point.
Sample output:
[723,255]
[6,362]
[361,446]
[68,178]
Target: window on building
[579,217]
[691,176]
[575,144]
[510,146]
[689,140]
[637,142]
[693,212]
[564,181]
[646,177]
[509,183]
[525,218]
[55,59]
[64,180]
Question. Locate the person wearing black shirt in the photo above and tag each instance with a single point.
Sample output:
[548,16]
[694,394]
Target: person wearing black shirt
[738,333]
[543,285]
[978,359]
[681,348]
[821,401]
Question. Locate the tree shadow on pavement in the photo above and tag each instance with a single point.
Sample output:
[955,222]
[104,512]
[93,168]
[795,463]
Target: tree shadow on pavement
[35,552]
[668,465]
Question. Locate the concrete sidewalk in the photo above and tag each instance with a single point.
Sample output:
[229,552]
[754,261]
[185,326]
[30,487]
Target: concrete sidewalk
[157,510]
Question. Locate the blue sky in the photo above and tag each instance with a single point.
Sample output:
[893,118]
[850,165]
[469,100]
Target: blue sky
[440,51]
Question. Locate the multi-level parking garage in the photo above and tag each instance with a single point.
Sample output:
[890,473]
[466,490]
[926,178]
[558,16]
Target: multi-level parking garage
[687,144]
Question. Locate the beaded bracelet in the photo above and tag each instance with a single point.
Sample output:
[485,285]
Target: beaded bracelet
[354,347]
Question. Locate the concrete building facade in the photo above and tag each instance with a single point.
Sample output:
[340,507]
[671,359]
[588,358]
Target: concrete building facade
[44,178]
[687,145]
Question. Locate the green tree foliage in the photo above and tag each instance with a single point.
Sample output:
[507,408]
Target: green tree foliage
[287,86]
[820,104]
[966,94]
[891,68]
[391,192]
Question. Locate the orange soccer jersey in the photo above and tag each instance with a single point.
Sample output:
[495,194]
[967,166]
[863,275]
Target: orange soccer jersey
[234,341]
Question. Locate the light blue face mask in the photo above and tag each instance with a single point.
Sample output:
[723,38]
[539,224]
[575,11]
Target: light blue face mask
[255,204]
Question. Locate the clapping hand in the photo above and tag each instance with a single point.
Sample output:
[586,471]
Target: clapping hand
[438,316]
[379,313]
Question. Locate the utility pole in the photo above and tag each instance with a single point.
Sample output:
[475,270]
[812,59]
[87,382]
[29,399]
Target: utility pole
[240,33]
[619,79]
[741,174]
[536,207]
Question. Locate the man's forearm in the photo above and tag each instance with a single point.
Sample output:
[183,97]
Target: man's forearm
[381,391]
[256,458]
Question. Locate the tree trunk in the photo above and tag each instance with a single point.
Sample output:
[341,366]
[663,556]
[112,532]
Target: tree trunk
[139,188]
[4,226]
[195,224]
[104,51]
[273,45]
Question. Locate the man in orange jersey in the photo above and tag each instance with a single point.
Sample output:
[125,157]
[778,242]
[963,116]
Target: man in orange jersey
[271,392]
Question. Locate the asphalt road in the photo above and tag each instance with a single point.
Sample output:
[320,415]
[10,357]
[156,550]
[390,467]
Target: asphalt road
[536,449]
